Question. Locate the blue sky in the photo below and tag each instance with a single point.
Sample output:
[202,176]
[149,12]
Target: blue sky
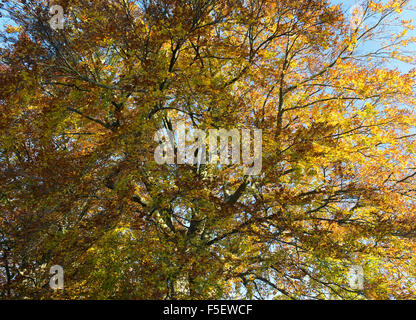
[408,14]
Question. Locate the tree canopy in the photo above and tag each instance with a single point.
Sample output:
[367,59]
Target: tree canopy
[80,188]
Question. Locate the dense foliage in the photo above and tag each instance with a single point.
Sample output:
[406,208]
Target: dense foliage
[79,186]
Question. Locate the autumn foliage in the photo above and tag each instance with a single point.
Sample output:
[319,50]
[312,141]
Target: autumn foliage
[79,186]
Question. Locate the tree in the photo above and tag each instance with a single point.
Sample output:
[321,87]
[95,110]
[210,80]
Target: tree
[80,186]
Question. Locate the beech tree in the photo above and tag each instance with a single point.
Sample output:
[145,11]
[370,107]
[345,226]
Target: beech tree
[80,187]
